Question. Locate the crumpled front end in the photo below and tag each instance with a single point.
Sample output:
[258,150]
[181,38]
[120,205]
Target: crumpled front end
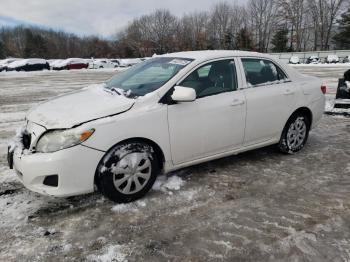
[62,173]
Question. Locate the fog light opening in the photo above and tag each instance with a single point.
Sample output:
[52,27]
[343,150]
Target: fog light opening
[51,181]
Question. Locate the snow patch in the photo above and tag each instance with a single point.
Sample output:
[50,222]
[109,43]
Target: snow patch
[111,253]
[329,106]
[302,240]
[131,207]
[124,208]
[164,184]
[68,247]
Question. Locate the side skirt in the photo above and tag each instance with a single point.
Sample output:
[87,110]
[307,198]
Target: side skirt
[168,166]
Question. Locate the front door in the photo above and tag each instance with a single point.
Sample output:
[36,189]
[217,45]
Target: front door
[214,123]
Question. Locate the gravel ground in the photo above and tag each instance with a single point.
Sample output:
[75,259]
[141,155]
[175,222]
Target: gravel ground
[257,206]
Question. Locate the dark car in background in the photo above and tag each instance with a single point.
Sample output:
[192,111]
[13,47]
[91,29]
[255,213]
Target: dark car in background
[32,64]
[314,59]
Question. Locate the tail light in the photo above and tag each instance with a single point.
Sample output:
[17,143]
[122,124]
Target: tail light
[324,89]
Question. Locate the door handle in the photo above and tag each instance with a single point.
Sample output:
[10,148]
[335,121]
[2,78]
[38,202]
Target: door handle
[288,92]
[237,102]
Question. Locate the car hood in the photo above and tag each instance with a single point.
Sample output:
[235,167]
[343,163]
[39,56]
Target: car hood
[79,107]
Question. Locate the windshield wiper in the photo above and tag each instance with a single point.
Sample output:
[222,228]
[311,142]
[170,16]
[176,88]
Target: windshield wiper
[122,92]
[117,90]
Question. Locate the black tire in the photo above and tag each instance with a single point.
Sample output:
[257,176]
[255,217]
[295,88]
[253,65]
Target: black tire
[106,178]
[286,144]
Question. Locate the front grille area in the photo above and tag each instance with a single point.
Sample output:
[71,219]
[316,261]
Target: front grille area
[26,140]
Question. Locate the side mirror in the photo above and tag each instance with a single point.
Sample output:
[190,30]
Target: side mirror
[183,94]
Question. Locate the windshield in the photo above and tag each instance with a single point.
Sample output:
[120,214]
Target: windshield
[146,77]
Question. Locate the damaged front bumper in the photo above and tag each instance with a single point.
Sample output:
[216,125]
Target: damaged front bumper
[66,172]
[63,173]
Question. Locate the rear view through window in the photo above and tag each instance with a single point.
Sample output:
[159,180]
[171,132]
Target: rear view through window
[213,78]
[260,71]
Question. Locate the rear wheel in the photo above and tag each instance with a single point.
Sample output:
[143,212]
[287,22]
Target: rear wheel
[295,134]
[127,172]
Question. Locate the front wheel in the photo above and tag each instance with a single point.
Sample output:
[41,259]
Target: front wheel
[127,172]
[295,134]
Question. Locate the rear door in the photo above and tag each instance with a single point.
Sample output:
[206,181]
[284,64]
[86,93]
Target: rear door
[270,96]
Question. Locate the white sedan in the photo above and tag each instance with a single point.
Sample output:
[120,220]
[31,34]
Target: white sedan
[102,63]
[166,113]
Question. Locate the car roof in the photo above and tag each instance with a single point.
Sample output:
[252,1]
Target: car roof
[212,54]
[203,56]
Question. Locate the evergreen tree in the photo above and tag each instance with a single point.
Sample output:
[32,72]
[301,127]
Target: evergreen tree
[2,50]
[280,41]
[244,40]
[342,38]
[228,39]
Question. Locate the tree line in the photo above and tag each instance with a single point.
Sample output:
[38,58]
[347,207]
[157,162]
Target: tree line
[258,25]
[33,42]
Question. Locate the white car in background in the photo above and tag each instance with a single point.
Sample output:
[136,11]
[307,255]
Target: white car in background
[5,63]
[164,114]
[54,62]
[102,63]
[126,62]
[332,59]
[115,62]
[294,60]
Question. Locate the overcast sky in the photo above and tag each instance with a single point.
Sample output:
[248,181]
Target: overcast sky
[87,17]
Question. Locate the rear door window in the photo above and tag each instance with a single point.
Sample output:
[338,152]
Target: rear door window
[262,72]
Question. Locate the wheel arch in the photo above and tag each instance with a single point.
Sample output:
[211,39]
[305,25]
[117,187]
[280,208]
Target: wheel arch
[301,110]
[282,144]
[158,151]
[305,111]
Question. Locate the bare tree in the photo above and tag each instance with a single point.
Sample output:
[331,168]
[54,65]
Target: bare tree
[263,15]
[227,25]
[163,28]
[294,12]
[324,14]
[194,30]
[219,24]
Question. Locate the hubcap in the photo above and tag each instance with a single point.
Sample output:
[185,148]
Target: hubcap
[296,133]
[132,172]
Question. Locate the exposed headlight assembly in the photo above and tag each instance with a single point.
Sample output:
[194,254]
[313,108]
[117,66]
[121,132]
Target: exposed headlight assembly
[55,140]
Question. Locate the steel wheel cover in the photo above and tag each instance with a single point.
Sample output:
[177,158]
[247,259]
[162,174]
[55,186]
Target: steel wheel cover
[132,172]
[296,133]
